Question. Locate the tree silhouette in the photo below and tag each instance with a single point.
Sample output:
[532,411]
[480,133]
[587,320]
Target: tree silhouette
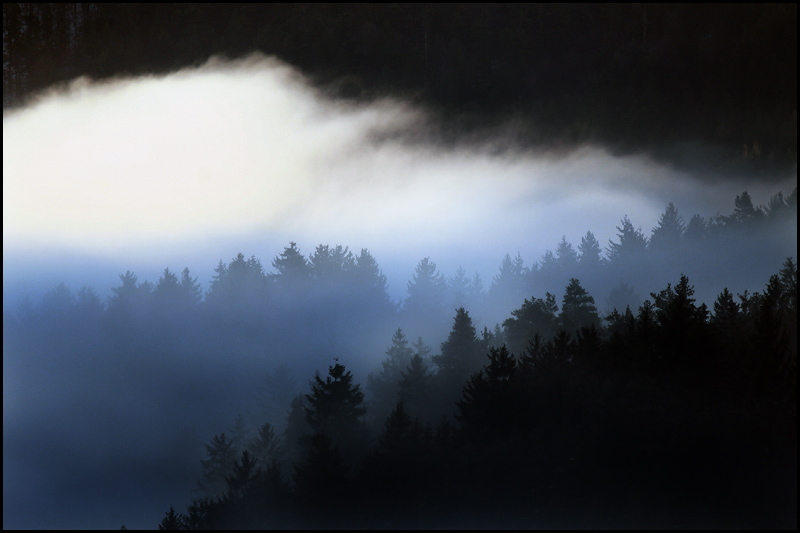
[335,409]
[191,290]
[414,390]
[293,269]
[383,385]
[590,257]
[243,474]
[509,283]
[221,458]
[631,246]
[667,234]
[425,309]
[372,288]
[535,316]
[566,258]
[461,354]
[577,308]
[265,446]
[487,406]
[171,522]
[696,229]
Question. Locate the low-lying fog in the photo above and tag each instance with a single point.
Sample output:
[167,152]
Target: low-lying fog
[191,168]
[194,167]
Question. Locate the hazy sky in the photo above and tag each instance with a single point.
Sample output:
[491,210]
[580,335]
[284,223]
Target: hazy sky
[196,166]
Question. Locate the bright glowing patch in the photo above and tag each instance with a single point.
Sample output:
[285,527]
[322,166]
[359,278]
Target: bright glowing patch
[242,147]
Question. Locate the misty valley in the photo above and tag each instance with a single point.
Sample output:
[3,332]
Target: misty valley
[638,384]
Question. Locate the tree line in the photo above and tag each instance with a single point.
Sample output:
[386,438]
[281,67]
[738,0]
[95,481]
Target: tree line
[563,412]
[674,414]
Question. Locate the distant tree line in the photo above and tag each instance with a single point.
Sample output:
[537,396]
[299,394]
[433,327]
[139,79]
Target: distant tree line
[562,413]
[339,291]
[632,76]
[674,414]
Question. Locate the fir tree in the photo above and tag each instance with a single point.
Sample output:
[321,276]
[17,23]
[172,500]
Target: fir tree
[577,308]
[293,269]
[265,446]
[335,409]
[590,255]
[535,316]
[171,522]
[462,352]
[192,293]
[413,390]
[221,458]
[632,244]
[383,385]
[667,234]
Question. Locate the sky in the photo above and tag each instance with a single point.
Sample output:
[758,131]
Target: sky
[192,167]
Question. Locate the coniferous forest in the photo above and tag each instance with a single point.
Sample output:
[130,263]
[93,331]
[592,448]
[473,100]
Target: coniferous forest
[647,380]
[652,409]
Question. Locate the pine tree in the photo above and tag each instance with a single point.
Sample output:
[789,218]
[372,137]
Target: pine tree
[459,288]
[242,476]
[682,326]
[577,308]
[335,409]
[488,405]
[535,316]
[383,385]
[372,288]
[696,229]
[171,522]
[744,212]
[398,357]
[726,319]
[265,446]
[590,257]
[221,458]
[566,258]
[421,349]
[631,246]
[667,234]
[331,264]
[168,291]
[413,390]
[426,291]
[293,269]
[462,353]
[192,293]
[509,283]
[239,286]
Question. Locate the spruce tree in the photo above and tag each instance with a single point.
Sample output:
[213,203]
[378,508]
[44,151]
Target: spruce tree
[577,308]
[462,354]
[667,234]
[334,408]
[221,458]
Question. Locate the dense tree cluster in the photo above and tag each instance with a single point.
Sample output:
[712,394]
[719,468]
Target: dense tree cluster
[641,76]
[566,412]
[629,424]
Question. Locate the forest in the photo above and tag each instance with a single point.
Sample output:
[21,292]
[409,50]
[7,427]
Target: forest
[560,411]
[630,374]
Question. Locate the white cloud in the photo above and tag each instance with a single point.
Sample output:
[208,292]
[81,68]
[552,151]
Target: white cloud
[248,148]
